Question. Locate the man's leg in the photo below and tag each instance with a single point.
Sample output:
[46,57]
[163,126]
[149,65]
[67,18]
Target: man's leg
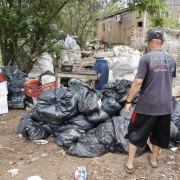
[132,152]
[155,152]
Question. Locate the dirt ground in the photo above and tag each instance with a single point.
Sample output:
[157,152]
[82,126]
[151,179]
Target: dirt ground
[50,162]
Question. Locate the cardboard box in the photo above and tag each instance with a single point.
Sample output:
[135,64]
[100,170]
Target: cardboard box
[3,88]
[3,105]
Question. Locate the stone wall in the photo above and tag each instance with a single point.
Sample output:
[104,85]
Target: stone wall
[172,45]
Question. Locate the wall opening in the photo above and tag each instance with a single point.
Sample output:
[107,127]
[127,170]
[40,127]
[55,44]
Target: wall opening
[139,24]
[104,27]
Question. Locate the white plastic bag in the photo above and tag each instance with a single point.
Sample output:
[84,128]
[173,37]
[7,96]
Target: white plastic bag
[129,77]
[69,42]
[122,66]
[64,56]
[43,64]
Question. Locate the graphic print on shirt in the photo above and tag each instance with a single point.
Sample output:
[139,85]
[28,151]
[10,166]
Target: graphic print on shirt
[159,62]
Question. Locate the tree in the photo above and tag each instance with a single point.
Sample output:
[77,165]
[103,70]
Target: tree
[25,30]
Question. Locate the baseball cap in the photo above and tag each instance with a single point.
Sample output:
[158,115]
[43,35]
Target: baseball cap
[154,34]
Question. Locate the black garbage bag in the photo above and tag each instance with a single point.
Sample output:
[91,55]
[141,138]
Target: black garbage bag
[177,139]
[173,132]
[56,128]
[110,105]
[171,144]
[88,99]
[105,133]
[36,116]
[30,129]
[15,86]
[98,117]
[119,90]
[68,135]
[75,87]
[79,122]
[46,73]
[175,117]
[14,72]
[125,115]
[57,106]
[86,145]
[115,148]
[15,80]
[121,129]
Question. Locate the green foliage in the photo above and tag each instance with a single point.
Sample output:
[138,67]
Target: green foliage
[25,30]
[112,6]
[163,19]
[164,22]
[150,6]
[79,19]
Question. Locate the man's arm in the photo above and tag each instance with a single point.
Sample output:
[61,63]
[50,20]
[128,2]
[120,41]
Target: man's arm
[135,87]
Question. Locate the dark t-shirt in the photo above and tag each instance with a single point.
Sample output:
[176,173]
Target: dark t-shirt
[156,68]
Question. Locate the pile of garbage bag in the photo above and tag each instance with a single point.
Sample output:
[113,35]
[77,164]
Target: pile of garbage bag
[86,122]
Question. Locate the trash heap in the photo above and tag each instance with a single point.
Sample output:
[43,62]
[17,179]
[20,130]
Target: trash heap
[84,121]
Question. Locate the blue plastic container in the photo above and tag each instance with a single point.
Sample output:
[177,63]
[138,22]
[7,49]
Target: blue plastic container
[101,67]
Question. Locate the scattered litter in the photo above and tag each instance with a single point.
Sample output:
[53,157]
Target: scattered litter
[171,157]
[3,122]
[174,149]
[34,159]
[81,173]
[44,155]
[171,162]
[34,178]
[20,135]
[41,141]
[12,163]
[163,174]
[13,172]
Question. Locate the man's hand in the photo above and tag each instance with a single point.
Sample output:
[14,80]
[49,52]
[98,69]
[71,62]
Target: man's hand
[128,108]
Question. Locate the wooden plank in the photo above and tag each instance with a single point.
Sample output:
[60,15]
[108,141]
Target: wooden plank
[81,76]
[84,72]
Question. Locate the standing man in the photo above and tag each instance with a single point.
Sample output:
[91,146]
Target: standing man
[152,114]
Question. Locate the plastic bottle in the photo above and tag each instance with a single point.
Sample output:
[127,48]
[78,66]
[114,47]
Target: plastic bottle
[80,173]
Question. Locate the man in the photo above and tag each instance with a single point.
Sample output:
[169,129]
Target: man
[152,114]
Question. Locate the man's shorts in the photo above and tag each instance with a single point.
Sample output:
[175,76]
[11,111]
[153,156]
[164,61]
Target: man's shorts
[143,126]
